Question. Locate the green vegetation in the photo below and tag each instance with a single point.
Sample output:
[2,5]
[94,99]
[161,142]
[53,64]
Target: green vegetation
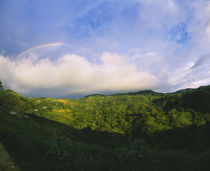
[1,86]
[6,163]
[135,131]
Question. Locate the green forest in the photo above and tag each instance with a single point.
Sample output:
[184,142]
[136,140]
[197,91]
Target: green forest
[145,130]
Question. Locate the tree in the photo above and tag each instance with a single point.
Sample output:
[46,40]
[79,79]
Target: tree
[1,86]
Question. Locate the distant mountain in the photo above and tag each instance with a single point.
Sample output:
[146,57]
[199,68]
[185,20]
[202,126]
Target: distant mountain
[142,92]
[95,95]
[183,91]
[190,90]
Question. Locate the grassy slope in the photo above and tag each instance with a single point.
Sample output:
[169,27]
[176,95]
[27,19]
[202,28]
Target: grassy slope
[39,144]
[168,132]
[6,162]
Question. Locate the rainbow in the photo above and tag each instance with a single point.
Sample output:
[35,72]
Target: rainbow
[41,46]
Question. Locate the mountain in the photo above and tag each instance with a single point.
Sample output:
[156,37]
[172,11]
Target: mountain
[133,131]
[142,92]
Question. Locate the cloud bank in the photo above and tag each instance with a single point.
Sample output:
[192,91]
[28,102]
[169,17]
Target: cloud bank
[74,75]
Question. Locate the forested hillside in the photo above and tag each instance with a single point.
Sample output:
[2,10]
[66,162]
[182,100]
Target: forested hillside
[144,130]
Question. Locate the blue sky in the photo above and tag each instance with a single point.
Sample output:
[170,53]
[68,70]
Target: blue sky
[133,44]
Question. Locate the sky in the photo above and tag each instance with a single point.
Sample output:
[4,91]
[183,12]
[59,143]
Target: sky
[68,48]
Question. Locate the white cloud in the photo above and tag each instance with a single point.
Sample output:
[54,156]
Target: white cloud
[72,74]
[165,46]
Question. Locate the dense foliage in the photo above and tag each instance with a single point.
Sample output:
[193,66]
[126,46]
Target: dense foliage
[144,130]
[1,86]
